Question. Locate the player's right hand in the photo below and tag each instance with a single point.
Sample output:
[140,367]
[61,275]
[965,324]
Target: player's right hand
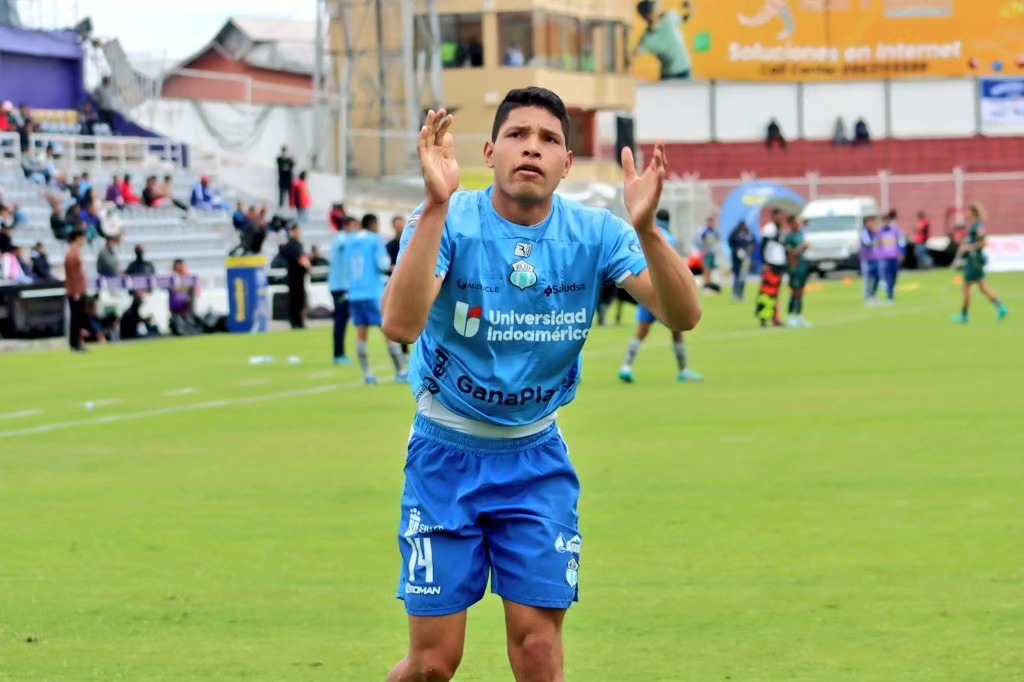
[437,157]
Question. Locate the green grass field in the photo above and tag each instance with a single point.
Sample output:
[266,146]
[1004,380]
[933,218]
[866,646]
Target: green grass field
[838,503]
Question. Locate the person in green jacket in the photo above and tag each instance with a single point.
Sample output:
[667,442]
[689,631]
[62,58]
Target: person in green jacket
[972,251]
[799,271]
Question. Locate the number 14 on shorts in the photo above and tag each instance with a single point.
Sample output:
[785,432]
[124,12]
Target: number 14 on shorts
[421,556]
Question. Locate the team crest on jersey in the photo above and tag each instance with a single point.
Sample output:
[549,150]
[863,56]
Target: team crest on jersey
[523,275]
[523,250]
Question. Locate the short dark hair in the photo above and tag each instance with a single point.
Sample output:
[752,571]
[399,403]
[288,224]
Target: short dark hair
[541,98]
[645,7]
[663,215]
[75,234]
[369,219]
[348,221]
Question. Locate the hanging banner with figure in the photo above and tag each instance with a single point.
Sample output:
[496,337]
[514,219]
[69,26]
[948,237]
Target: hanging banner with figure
[825,40]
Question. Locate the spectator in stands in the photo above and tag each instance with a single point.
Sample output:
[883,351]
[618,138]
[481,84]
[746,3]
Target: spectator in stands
[128,192]
[239,219]
[839,137]
[774,136]
[41,269]
[316,259]
[58,223]
[84,186]
[398,226]
[75,285]
[6,238]
[106,261]
[105,96]
[205,197]
[285,176]
[26,126]
[337,216]
[922,233]
[861,136]
[74,188]
[140,267]
[167,192]
[73,220]
[7,125]
[87,119]
[151,196]
[298,268]
[301,200]
[13,267]
[115,194]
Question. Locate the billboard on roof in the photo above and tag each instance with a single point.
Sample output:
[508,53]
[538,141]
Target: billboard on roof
[824,40]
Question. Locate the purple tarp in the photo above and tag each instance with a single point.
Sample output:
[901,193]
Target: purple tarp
[42,69]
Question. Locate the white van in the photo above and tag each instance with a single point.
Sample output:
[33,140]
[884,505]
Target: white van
[832,229]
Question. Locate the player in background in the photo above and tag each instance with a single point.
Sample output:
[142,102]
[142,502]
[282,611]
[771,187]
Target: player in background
[645,318]
[366,261]
[708,243]
[870,270]
[891,247]
[498,290]
[741,243]
[773,259]
[337,282]
[972,252]
[799,271]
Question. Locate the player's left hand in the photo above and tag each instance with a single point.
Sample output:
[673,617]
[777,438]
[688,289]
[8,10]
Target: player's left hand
[643,192]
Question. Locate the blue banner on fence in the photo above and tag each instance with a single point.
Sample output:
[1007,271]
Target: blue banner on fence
[1002,101]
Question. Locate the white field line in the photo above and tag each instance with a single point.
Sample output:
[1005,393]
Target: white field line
[21,414]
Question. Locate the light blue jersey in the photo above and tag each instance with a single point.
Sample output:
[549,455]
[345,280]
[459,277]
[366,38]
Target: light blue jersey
[365,257]
[337,276]
[503,341]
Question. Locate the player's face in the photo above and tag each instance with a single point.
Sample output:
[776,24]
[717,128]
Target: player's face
[529,157]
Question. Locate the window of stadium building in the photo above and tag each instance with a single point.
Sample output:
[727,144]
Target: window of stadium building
[461,40]
[614,46]
[564,43]
[515,35]
[588,38]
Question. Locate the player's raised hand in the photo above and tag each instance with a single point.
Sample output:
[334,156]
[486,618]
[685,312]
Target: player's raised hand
[643,192]
[437,157]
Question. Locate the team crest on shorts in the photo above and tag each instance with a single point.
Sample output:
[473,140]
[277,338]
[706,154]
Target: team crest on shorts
[572,572]
[523,275]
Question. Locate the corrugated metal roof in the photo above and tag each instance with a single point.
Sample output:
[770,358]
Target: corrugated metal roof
[262,30]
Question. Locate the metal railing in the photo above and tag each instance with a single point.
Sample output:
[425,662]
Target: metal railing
[89,151]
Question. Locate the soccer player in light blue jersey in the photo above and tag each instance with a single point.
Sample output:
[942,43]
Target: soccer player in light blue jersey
[498,290]
[365,261]
[645,318]
[337,282]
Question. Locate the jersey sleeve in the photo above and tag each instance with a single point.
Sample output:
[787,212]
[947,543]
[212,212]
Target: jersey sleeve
[622,255]
[444,255]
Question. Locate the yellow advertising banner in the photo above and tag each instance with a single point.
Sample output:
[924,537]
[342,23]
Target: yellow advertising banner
[819,40]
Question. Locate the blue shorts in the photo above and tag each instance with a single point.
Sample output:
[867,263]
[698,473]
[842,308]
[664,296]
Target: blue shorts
[645,316]
[475,508]
[365,313]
